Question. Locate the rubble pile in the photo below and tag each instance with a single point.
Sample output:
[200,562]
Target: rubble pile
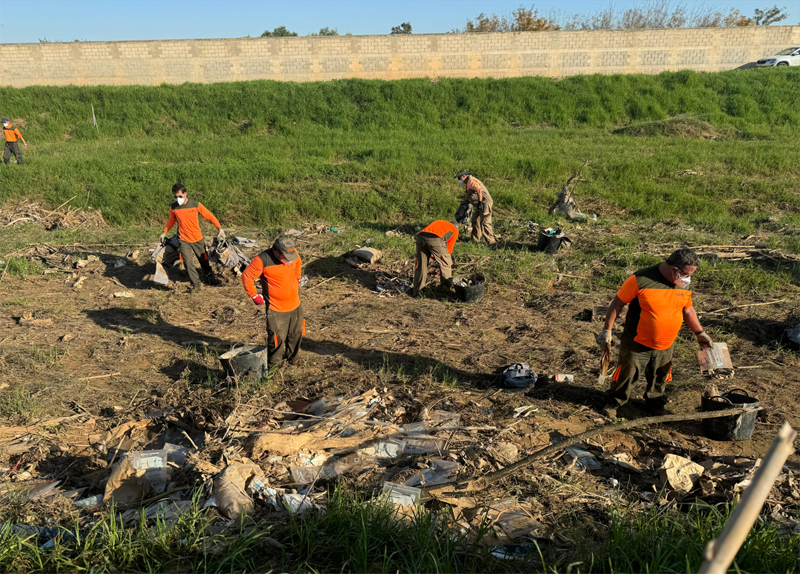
[258,464]
[63,217]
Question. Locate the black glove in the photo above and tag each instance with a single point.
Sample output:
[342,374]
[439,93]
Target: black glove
[481,207]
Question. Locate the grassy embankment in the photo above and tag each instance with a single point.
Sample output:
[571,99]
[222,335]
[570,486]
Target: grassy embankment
[372,154]
[369,155]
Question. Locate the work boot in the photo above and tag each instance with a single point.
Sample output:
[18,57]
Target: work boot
[212,280]
[195,288]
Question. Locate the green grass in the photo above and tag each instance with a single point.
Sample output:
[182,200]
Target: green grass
[19,404]
[742,99]
[270,153]
[20,267]
[358,535]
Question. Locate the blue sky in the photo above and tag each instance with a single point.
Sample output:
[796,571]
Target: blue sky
[64,20]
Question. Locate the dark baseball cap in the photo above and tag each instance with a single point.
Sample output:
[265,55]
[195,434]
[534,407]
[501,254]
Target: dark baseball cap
[286,246]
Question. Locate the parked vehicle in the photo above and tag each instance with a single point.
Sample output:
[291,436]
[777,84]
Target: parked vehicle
[787,57]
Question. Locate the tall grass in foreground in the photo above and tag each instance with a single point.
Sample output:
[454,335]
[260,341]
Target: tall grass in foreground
[364,536]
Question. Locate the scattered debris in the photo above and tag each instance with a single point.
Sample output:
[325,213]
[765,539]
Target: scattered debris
[139,475]
[582,457]
[401,494]
[231,489]
[367,254]
[565,204]
[679,472]
[526,411]
[715,361]
[519,376]
[390,286]
[70,218]
[123,295]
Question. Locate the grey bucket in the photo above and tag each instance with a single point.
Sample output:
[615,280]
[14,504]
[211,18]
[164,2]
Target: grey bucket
[470,293]
[733,427]
[248,361]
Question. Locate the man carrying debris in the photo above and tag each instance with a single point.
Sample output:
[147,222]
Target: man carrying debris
[437,241]
[659,304]
[186,213]
[479,197]
[278,269]
[12,147]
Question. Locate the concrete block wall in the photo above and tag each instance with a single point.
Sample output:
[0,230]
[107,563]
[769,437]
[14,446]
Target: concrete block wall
[304,59]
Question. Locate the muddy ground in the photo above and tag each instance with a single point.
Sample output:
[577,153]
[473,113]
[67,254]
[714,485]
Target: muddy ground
[104,360]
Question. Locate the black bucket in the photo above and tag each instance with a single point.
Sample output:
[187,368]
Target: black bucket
[473,291]
[733,427]
[551,243]
[246,362]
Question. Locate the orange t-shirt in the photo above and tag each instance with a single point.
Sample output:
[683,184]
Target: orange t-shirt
[446,231]
[279,282]
[11,134]
[655,314]
[187,216]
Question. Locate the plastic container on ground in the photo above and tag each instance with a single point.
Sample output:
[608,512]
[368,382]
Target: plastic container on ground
[470,288]
[734,427]
[248,361]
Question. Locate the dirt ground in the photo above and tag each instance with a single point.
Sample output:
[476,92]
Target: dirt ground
[104,360]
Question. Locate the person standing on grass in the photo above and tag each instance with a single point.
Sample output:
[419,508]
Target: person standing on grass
[186,213]
[479,197]
[12,147]
[279,270]
[660,303]
[437,241]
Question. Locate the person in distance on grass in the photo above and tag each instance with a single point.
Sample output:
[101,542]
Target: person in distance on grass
[278,269]
[437,241]
[186,213]
[479,197]
[659,302]
[12,147]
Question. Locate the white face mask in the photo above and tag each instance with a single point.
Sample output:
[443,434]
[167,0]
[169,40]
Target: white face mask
[181,200]
[462,182]
[683,282]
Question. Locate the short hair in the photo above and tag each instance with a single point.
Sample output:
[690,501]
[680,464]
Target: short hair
[684,258]
[178,187]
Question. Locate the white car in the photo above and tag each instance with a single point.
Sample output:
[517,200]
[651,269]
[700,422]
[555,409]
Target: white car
[787,57]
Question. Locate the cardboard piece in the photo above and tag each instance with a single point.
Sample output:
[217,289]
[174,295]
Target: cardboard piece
[679,472]
[138,475]
[230,489]
[715,361]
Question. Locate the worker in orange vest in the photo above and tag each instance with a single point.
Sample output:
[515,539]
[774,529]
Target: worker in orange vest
[279,271]
[12,147]
[437,241]
[186,213]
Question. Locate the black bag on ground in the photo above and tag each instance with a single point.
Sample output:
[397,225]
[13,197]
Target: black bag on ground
[519,376]
[464,213]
